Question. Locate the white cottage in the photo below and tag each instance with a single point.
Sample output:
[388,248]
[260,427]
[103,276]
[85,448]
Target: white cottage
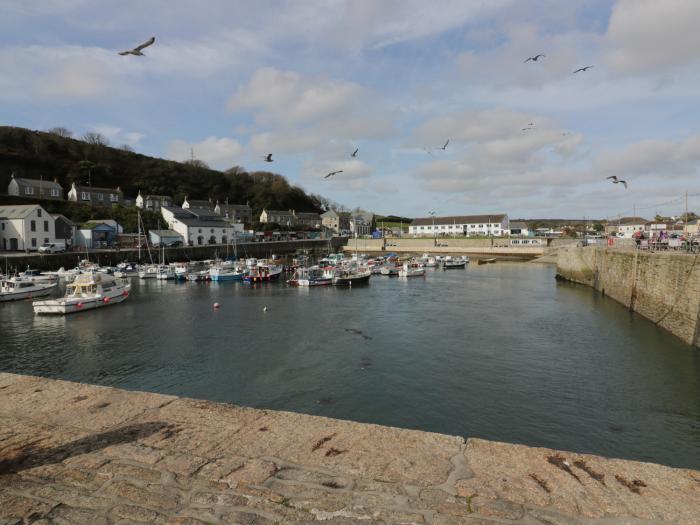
[25,227]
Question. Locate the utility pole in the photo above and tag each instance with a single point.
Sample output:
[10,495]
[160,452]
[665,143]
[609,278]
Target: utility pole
[685,223]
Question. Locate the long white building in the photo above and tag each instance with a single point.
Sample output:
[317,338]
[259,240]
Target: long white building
[496,224]
[199,227]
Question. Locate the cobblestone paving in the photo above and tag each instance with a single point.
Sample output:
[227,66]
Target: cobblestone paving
[73,453]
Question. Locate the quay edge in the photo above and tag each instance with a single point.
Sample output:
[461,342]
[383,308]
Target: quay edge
[79,453]
[663,287]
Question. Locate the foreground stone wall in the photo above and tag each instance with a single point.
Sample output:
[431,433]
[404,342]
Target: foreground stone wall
[663,287]
[73,453]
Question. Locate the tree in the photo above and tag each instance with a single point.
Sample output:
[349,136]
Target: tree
[127,148]
[60,132]
[598,227]
[96,139]
[197,163]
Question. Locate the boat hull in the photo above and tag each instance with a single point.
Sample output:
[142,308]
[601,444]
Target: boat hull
[66,306]
[21,296]
[352,281]
[454,266]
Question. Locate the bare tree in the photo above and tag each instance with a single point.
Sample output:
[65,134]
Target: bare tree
[95,138]
[60,132]
[126,147]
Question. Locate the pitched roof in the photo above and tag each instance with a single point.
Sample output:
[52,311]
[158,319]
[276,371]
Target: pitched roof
[60,216]
[94,188]
[165,233]
[328,214]
[278,212]
[308,215]
[244,207]
[198,203]
[17,211]
[48,184]
[459,219]
[198,218]
[91,225]
[161,197]
[518,225]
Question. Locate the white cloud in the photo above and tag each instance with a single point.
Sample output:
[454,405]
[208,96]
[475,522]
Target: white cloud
[652,36]
[217,152]
[75,78]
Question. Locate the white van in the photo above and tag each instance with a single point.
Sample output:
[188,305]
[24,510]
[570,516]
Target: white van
[52,247]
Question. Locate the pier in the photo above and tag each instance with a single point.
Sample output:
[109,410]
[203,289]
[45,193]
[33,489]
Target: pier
[76,453]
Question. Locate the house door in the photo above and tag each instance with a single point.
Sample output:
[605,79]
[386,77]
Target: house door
[13,244]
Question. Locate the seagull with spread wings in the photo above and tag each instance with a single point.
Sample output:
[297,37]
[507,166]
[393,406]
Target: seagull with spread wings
[615,180]
[268,158]
[137,50]
[333,173]
[582,69]
[534,59]
[445,146]
[354,153]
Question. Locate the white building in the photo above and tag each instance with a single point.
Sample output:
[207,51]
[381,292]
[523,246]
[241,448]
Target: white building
[496,225]
[25,227]
[200,227]
[627,226]
[153,202]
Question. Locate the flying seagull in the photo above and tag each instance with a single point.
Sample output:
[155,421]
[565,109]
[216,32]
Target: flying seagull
[534,59]
[445,146]
[268,158]
[354,153]
[525,129]
[615,180]
[137,50]
[428,152]
[582,69]
[333,173]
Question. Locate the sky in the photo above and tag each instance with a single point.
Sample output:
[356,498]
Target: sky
[310,81]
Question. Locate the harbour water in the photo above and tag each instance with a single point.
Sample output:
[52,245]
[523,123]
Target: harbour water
[502,352]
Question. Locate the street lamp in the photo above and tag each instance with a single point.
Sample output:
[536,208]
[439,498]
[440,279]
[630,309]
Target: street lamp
[433,214]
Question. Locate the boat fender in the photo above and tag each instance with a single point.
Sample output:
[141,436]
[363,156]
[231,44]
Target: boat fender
[264,308]
[80,306]
[216,306]
[105,300]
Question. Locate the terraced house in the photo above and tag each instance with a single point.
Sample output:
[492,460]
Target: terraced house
[35,188]
[96,196]
[496,224]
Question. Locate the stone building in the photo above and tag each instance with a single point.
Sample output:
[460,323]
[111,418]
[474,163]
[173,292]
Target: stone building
[36,188]
[96,196]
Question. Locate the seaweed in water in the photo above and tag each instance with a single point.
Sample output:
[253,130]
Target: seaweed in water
[560,462]
[542,483]
[633,485]
[600,478]
[321,442]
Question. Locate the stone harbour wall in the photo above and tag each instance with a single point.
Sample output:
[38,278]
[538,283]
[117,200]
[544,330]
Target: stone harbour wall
[663,287]
[75,453]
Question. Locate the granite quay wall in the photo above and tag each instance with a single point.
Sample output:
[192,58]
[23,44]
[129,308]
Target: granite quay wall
[73,453]
[663,287]
[191,253]
[445,246]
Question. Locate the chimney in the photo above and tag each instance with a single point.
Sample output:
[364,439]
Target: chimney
[55,179]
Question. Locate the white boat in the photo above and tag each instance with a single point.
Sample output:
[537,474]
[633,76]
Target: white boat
[18,288]
[38,277]
[226,273]
[310,277]
[148,272]
[389,269]
[165,273]
[412,270]
[87,292]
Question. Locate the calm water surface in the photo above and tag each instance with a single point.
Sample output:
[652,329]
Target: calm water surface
[501,352]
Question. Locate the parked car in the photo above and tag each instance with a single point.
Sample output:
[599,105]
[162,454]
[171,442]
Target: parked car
[52,247]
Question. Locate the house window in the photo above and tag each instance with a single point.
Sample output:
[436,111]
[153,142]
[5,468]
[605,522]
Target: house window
[84,195]
[54,192]
[33,242]
[46,239]
[29,190]
[211,231]
[100,196]
[46,226]
[3,226]
[114,197]
[32,225]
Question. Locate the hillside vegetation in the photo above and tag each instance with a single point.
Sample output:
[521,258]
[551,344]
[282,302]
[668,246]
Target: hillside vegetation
[36,154]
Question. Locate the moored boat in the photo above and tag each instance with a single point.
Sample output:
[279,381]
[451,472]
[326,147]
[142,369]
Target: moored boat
[226,273]
[454,264]
[87,292]
[19,288]
[310,277]
[352,276]
[389,269]
[263,273]
[412,270]
[486,261]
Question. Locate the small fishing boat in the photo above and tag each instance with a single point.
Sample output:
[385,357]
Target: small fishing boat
[198,277]
[87,292]
[310,277]
[389,269]
[18,288]
[454,264]
[486,261]
[262,273]
[165,273]
[412,270]
[148,272]
[226,273]
[38,277]
[126,269]
[352,276]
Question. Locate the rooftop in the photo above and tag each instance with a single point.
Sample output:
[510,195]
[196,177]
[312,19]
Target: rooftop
[17,211]
[49,184]
[460,219]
